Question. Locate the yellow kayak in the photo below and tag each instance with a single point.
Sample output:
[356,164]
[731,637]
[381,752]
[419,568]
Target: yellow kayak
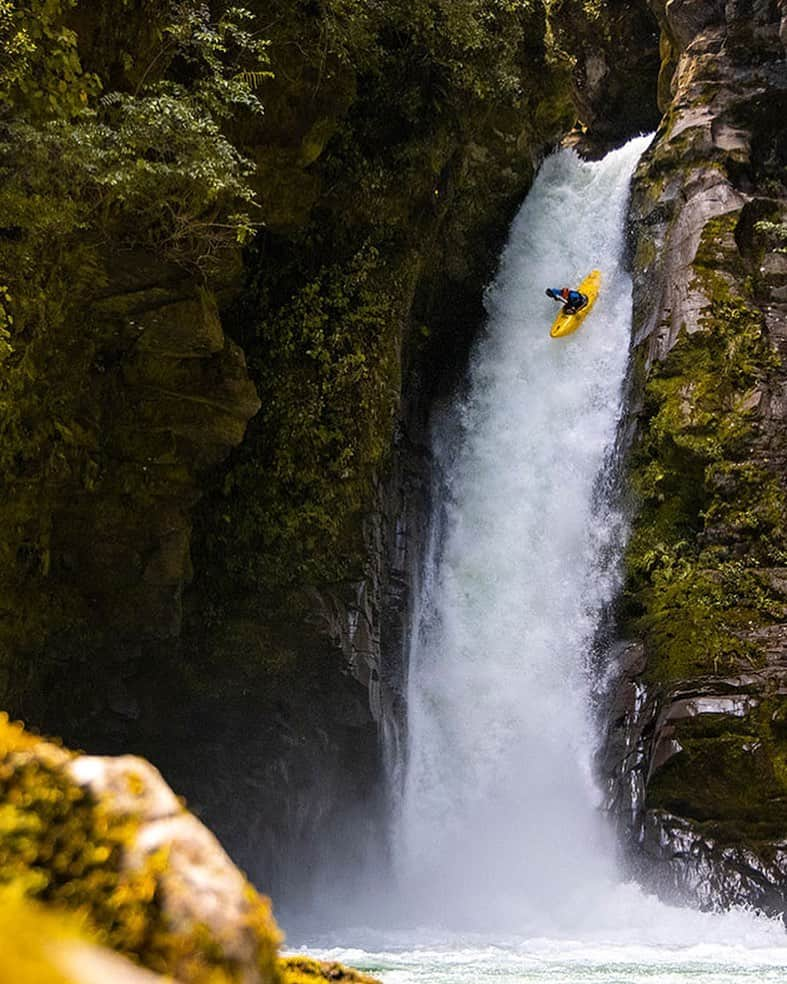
[566,324]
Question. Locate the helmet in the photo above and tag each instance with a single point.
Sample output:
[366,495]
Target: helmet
[548,291]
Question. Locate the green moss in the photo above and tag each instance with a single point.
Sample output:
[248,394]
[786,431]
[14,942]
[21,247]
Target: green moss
[729,777]
[704,502]
[76,175]
[329,385]
[305,970]
[62,847]
[717,248]
[395,137]
[379,189]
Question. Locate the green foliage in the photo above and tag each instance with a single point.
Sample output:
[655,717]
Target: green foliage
[701,496]
[225,58]
[15,47]
[424,113]
[150,167]
[41,74]
[473,43]
[774,234]
[84,178]
[395,137]
[6,323]
[466,47]
[329,387]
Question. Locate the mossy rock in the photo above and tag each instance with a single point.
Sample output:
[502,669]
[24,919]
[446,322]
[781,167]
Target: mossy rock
[29,937]
[305,970]
[44,945]
[729,776]
[108,839]
[709,514]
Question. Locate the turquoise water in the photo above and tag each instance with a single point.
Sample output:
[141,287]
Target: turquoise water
[545,962]
[679,947]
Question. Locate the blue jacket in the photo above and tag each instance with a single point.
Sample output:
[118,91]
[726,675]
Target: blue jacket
[574,297]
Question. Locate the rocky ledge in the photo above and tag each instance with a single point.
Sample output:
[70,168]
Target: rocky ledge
[692,783]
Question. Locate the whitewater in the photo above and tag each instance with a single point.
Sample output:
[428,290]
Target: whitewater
[503,865]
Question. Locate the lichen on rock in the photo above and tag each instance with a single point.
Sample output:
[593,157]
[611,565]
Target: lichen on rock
[306,970]
[107,838]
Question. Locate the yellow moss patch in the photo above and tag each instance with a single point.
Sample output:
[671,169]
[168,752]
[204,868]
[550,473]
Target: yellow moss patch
[266,930]
[305,970]
[59,844]
[28,937]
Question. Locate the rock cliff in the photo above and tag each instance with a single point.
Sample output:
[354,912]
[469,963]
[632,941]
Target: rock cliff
[215,472]
[696,746]
[159,592]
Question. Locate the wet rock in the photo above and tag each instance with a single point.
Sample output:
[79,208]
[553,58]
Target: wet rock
[682,858]
[692,765]
[615,50]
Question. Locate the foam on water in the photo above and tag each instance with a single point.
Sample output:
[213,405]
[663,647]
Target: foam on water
[652,944]
[569,965]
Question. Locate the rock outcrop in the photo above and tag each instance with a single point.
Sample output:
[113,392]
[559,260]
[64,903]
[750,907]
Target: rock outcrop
[99,547]
[696,749]
[99,853]
[181,581]
[110,838]
[41,946]
[614,47]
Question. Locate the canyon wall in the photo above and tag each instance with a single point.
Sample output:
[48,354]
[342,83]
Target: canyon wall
[694,757]
[215,466]
[213,442]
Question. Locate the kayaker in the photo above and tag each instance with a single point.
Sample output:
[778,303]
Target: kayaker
[572,300]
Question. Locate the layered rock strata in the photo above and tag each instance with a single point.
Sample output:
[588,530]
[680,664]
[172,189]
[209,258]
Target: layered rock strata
[696,749]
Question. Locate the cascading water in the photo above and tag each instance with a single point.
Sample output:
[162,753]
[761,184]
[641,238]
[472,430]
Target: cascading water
[499,821]
[504,870]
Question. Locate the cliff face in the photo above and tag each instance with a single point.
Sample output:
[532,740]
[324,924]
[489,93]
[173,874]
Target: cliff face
[614,47]
[696,749]
[98,535]
[160,593]
[362,308]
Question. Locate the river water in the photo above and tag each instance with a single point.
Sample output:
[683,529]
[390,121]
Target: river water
[503,867]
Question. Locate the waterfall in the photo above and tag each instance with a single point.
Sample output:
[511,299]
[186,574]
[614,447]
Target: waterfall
[498,820]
